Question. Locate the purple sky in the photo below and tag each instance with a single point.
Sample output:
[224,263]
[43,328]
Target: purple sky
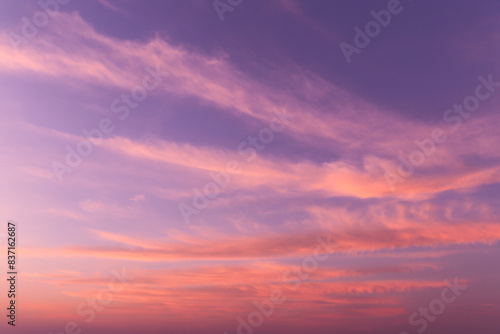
[230,147]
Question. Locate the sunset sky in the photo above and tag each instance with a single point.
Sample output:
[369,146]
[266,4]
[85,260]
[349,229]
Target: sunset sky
[239,152]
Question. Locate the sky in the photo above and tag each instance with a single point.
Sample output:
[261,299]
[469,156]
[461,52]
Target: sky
[251,166]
